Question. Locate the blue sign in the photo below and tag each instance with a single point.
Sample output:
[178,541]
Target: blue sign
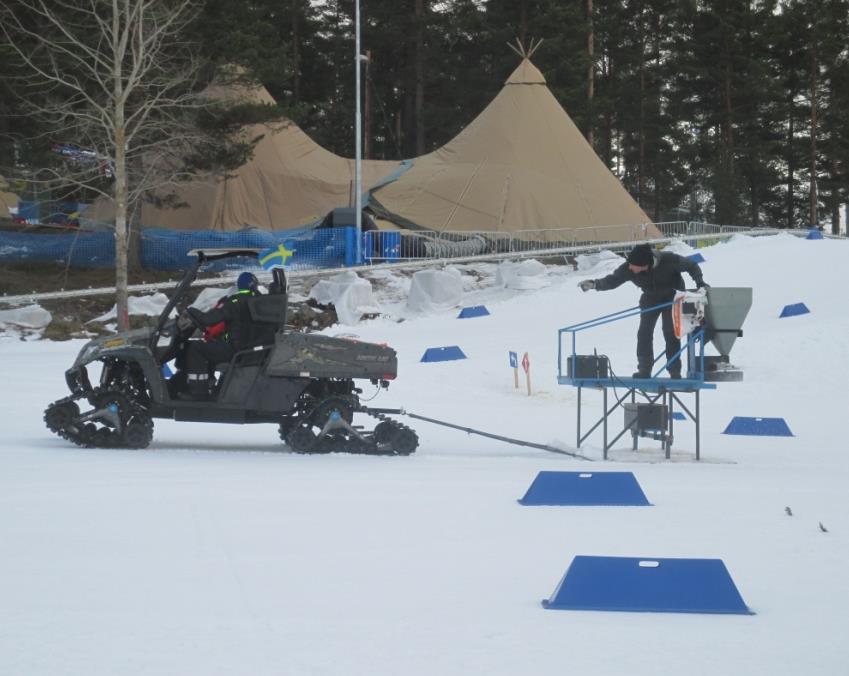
[514,360]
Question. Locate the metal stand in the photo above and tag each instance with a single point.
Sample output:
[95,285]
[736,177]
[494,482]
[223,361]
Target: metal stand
[665,392]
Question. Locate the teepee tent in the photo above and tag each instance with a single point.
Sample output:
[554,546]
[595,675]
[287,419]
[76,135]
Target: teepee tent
[289,182]
[521,165]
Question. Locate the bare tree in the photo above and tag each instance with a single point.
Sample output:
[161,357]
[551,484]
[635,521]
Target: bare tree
[115,78]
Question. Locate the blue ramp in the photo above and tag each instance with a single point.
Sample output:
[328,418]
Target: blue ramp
[647,585]
[585,489]
[473,311]
[759,427]
[813,233]
[696,258]
[793,310]
[449,353]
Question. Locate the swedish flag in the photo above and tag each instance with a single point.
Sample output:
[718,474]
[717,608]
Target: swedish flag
[275,256]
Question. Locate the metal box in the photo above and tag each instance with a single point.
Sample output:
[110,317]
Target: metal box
[587,366]
[647,416]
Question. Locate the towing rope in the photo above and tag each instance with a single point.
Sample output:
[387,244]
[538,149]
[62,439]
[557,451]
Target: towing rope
[509,440]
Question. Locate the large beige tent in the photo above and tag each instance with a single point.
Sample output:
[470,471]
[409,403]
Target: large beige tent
[522,164]
[289,182]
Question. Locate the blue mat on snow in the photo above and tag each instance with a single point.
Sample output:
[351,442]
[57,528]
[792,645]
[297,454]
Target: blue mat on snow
[473,311]
[647,585]
[585,489]
[449,353]
[793,310]
[759,427]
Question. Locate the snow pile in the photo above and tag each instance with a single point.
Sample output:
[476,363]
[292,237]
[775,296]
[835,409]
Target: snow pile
[349,294]
[599,261]
[151,306]
[28,317]
[435,290]
[525,276]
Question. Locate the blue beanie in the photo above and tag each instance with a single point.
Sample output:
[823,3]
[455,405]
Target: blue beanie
[247,282]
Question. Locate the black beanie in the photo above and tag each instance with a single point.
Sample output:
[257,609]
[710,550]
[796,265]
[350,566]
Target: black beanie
[640,255]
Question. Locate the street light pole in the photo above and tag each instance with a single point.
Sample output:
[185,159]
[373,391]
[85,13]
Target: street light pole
[358,207]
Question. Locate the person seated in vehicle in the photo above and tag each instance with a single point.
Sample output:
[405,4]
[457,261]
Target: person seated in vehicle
[229,328]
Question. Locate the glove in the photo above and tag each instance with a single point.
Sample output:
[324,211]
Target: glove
[184,323]
[587,284]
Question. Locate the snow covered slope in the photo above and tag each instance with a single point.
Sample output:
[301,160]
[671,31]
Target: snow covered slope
[216,551]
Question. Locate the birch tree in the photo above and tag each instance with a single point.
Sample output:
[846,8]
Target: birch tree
[115,78]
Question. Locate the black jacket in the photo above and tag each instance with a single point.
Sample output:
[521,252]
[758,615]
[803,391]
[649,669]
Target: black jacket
[660,282]
[242,331]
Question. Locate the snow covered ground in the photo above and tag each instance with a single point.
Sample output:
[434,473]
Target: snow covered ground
[216,551]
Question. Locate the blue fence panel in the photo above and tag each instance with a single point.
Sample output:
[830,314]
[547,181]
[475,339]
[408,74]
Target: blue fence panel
[164,249]
[84,249]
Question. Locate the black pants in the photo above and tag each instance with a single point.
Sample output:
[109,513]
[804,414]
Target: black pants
[202,356]
[645,339]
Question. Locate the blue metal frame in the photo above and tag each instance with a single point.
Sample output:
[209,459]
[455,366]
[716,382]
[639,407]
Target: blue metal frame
[695,361]
[665,388]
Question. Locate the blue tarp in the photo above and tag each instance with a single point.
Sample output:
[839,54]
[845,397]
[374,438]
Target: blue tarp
[85,249]
[164,249]
[448,353]
[647,585]
[585,489]
[758,427]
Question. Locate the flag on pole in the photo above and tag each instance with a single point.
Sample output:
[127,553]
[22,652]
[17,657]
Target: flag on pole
[275,257]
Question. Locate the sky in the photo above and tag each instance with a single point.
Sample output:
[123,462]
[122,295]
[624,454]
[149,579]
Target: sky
[218,551]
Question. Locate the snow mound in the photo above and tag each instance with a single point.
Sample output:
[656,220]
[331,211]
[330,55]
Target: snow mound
[606,261]
[434,290]
[152,306]
[350,294]
[28,317]
[525,276]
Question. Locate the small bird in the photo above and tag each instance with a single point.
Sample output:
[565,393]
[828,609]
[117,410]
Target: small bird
[788,511]
[823,528]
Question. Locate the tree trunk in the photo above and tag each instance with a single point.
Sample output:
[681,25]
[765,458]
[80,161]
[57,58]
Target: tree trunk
[121,240]
[419,68]
[813,216]
[590,71]
[641,136]
[296,53]
[791,164]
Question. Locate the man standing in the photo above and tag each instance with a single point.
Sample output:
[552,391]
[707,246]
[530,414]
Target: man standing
[658,274]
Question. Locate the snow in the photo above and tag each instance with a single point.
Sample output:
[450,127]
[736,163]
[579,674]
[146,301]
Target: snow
[350,294]
[28,317]
[216,551]
[434,290]
[151,305]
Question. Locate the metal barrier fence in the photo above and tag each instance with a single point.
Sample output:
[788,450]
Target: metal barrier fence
[327,248]
[389,246]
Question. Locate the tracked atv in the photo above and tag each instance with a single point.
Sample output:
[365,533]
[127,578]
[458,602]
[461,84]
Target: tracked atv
[304,383]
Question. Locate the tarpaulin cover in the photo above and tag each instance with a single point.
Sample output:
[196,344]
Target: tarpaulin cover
[647,585]
[585,489]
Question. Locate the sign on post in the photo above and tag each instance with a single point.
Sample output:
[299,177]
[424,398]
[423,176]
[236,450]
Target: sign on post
[514,364]
[526,364]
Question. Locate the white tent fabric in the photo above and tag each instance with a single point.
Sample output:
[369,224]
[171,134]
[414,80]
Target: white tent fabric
[522,164]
